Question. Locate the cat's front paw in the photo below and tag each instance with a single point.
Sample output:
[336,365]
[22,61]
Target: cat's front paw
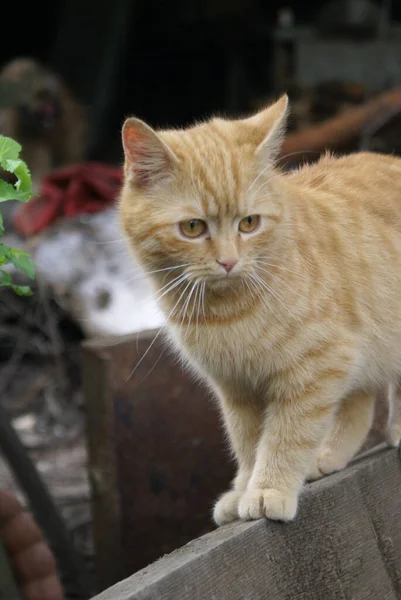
[327,462]
[393,435]
[270,503]
[226,508]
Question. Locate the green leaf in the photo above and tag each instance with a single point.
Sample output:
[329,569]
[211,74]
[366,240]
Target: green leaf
[21,190]
[24,183]
[22,290]
[10,161]
[9,192]
[6,281]
[20,169]
[21,260]
[9,149]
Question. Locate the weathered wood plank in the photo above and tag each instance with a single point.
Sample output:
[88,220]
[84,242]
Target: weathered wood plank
[344,544]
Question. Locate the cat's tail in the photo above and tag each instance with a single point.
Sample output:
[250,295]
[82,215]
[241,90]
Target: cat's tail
[393,433]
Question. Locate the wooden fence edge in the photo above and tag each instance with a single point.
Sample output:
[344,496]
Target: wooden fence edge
[353,517]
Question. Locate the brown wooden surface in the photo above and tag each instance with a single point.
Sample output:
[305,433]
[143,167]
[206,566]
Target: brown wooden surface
[156,452]
[102,468]
[345,544]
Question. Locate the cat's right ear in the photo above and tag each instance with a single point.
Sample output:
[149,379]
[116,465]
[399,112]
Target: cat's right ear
[147,158]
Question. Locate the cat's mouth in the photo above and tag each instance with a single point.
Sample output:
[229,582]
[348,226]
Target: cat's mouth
[218,281]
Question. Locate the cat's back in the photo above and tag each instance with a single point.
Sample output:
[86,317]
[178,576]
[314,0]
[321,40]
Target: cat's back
[360,191]
[361,176]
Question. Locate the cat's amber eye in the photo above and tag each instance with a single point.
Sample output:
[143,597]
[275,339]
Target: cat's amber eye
[249,224]
[193,228]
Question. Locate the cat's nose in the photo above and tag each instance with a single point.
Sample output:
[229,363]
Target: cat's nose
[228,265]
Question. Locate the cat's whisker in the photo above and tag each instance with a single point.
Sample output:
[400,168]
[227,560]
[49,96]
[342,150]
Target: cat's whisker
[145,274]
[200,303]
[181,315]
[188,301]
[196,307]
[268,166]
[155,294]
[120,241]
[203,300]
[152,367]
[268,288]
[157,334]
[281,280]
[247,283]
[264,262]
[193,302]
[261,187]
[286,285]
[261,290]
[172,285]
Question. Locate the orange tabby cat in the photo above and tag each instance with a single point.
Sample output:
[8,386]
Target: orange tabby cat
[282,291]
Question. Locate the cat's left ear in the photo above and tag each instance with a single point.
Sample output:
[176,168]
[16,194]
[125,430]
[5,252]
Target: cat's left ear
[270,124]
[148,159]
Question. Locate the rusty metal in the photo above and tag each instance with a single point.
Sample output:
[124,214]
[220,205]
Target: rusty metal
[157,455]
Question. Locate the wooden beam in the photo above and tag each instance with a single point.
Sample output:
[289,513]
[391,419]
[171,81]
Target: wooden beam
[345,543]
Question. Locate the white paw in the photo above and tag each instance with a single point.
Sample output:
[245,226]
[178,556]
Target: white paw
[270,503]
[314,473]
[393,435]
[327,462]
[226,508]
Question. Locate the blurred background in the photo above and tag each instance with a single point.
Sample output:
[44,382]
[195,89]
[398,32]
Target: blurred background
[173,62]
[70,72]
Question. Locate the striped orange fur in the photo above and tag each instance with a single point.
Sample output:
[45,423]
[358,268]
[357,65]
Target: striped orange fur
[295,324]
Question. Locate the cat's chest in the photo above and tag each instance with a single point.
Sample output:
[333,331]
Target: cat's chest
[222,352]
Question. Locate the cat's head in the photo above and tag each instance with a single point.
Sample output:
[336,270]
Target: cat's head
[205,197]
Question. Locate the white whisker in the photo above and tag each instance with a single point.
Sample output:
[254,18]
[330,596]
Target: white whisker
[264,262]
[203,299]
[146,274]
[261,290]
[158,333]
[262,186]
[172,285]
[282,282]
[268,166]
[188,300]
[198,307]
[269,289]
[194,304]
[120,241]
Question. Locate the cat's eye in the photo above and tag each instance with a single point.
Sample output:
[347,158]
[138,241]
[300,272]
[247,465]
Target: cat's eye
[193,228]
[249,224]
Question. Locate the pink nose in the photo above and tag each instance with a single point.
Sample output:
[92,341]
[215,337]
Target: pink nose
[228,264]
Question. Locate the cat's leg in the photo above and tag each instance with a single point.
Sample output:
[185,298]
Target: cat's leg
[243,423]
[393,433]
[292,434]
[348,431]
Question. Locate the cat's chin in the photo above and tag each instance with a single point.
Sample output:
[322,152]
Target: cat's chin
[220,283]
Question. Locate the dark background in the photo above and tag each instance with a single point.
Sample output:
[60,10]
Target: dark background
[168,62]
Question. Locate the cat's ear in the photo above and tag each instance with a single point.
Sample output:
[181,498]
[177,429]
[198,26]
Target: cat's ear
[148,159]
[269,126]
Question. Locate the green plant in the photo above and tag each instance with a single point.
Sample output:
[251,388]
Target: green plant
[22,191]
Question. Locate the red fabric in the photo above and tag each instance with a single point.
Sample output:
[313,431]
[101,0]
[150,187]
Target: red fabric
[84,188]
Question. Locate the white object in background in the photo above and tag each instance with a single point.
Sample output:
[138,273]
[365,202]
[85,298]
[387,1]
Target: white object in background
[86,262]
